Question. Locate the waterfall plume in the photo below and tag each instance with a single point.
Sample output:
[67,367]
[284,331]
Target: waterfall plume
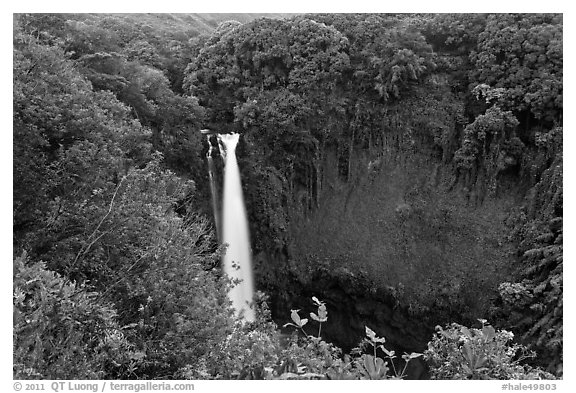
[237,261]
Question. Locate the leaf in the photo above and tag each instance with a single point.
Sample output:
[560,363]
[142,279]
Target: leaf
[314,317]
[448,334]
[480,362]
[468,353]
[371,365]
[295,317]
[488,332]
[466,331]
[372,336]
[387,352]
[370,333]
[322,313]
[375,366]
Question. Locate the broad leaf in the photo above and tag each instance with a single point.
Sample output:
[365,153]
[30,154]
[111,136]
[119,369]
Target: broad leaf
[488,332]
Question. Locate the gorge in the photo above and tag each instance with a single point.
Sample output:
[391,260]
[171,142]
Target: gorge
[403,170]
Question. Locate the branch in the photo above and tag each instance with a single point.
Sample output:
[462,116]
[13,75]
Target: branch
[123,277]
[83,251]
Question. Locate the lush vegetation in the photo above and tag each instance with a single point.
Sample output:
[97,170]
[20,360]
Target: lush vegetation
[400,167]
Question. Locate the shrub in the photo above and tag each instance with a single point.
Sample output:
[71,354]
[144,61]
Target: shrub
[61,331]
[244,351]
[312,358]
[458,352]
[255,351]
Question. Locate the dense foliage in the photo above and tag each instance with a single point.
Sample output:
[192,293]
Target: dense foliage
[415,160]
[458,352]
[94,202]
[61,330]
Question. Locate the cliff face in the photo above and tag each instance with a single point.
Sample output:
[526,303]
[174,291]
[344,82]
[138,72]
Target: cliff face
[400,245]
[402,227]
[403,245]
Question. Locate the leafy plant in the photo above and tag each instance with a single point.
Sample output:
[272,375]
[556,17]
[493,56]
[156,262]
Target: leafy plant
[377,368]
[320,317]
[245,350]
[458,352]
[312,357]
[63,330]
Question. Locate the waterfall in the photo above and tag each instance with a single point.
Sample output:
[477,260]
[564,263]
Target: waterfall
[237,260]
[213,192]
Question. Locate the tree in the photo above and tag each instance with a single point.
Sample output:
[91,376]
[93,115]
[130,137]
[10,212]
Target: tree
[522,55]
[273,72]
[95,204]
[77,136]
[389,58]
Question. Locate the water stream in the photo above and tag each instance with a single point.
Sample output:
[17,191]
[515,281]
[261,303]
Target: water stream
[237,261]
[213,189]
